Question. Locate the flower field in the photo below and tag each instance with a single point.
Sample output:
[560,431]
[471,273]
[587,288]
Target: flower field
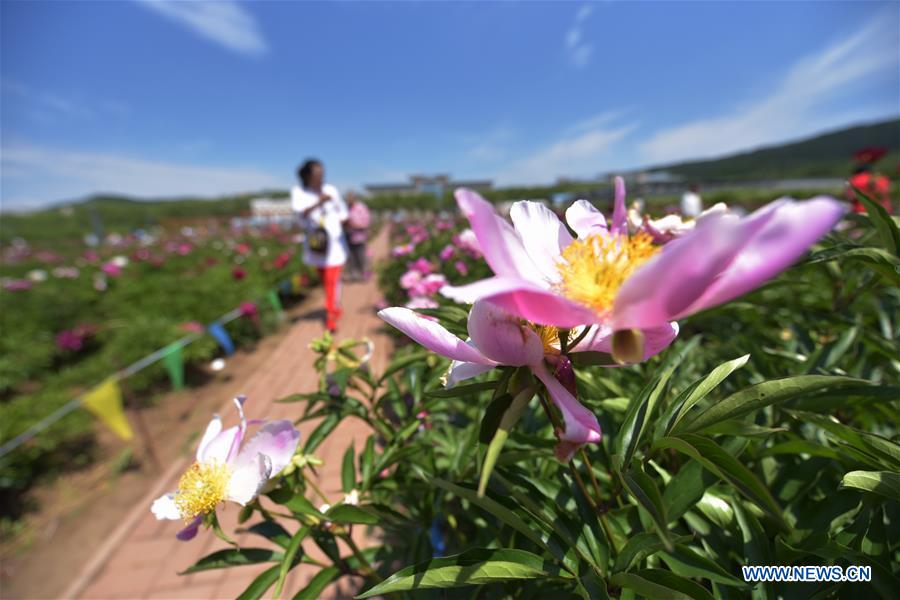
[75,314]
[585,429]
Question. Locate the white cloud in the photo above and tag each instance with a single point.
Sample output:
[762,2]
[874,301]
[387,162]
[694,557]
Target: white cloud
[795,107]
[582,154]
[224,22]
[492,146]
[45,103]
[579,51]
[32,175]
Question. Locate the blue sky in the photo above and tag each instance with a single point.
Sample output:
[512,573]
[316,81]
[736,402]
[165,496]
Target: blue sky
[155,99]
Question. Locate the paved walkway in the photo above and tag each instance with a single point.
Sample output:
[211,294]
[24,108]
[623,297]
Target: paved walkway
[141,558]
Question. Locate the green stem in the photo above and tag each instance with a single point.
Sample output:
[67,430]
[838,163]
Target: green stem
[362,559]
[316,489]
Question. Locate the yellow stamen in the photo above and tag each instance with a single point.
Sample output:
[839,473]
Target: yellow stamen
[201,488]
[549,338]
[594,268]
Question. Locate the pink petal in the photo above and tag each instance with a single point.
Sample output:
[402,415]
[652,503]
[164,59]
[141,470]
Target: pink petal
[581,424]
[501,246]
[584,219]
[219,449]
[544,235]
[524,299]
[670,282]
[277,440]
[620,213]
[432,335]
[656,339]
[786,236]
[501,337]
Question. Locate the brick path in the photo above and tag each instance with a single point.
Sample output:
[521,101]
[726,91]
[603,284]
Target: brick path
[141,557]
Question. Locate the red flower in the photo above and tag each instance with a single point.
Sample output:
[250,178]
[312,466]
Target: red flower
[238,273]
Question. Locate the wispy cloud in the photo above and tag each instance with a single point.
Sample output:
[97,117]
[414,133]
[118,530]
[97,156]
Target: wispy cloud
[35,175]
[796,106]
[581,152]
[45,102]
[579,51]
[224,22]
[492,146]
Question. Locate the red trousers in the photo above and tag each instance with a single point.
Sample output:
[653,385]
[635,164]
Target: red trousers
[331,281]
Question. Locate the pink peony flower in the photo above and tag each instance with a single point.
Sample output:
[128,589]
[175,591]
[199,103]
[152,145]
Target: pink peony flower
[421,302]
[447,252]
[410,279]
[17,285]
[461,268]
[422,265]
[111,269]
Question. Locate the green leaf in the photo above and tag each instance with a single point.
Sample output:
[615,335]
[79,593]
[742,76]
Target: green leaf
[645,491]
[299,504]
[367,461]
[656,583]
[402,363]
[639,547]
[686,489]
[699,391]
[688,563]
[233,558]
[592,358]
[317,584]
[883,483]
[509,418]
[348,474]
[258,586]
[462,390]
[492,415]
[728,469]
[321,431]
[763,394]
[289,560]
[347,513]
[479,566]
[884,225]
[273,532]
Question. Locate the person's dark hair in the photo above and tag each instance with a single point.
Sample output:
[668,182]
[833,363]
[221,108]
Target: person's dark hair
[304,170]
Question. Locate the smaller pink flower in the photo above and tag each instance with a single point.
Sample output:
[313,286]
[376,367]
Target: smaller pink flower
[447,252]
[111,269]
[17,285]
[410,279]
[402,250]
[422,302]
[461,268]
[242,248]
[249,309]
[192,327]
[238,273]
[422,265]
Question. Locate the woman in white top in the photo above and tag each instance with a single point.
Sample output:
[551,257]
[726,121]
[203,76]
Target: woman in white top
[322,212]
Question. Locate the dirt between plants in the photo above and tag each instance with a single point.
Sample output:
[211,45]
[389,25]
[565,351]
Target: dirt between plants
[78,510]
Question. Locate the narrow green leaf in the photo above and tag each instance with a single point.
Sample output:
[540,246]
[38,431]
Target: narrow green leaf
[317,584]
[402,363]
[702,388]
[645,491]
[656,583]
[321,431]
[763,394]
[462,390]
[348,473]
[258,586]
[492,415]
[883,483]
[290,554]
[273,532]
[233,558]
[640,546]
[347,513]
[884,225]
[688,563]
[479,566]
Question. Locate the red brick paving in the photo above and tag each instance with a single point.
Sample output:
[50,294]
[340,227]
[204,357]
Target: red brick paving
[142,558]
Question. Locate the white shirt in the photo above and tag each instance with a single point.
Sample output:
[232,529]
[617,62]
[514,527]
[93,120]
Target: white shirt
[691,205]
[329,216]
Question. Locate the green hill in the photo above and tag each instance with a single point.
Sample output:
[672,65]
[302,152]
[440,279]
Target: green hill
[827,155]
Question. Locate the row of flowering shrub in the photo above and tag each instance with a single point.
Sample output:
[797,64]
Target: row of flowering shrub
[72,318]
[565,436]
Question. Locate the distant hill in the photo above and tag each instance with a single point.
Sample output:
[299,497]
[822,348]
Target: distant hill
[827,155]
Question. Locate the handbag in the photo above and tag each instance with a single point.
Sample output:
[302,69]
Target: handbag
[318,239]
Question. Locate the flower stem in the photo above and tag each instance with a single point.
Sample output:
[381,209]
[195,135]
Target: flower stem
[316,489]
[371,572]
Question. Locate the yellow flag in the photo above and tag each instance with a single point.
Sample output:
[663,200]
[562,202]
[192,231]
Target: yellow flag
[105,401]
[296,286]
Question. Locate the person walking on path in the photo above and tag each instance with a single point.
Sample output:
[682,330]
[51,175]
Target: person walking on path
[323,213]
[357,227]
[691,203]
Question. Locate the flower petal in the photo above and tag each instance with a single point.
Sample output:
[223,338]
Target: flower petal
[502,248]
[219,449]
[460,371]
[432,335]
[667,285]
[277,440]
[189,532]
[585,219]
[656,339]
[248,479]
[786,236]
[620,213]
[164,508]
[524,299]
[501,337]
[212,431]
[545,233]
[581,424]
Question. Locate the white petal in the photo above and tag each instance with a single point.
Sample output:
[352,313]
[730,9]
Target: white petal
[248,479]
[544,236]
[221,447]
[212,430]
[585,219]
[164,508]
[460,371]
[276,440]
